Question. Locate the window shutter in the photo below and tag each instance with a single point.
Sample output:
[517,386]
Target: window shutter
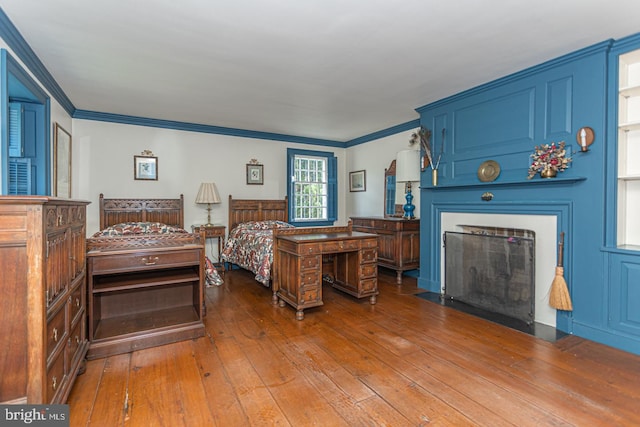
[333,189]
[20,176]
[15,130]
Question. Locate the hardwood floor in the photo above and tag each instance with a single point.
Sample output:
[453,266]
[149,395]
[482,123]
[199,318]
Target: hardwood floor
[402,362]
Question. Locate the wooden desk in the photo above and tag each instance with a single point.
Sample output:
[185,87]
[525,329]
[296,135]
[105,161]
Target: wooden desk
[298,265]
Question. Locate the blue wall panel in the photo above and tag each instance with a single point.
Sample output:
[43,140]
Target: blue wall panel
[494,123]
[559,108]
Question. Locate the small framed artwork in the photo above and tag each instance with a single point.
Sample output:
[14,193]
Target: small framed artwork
[145,168]
[255,174]
[61,162]
[358,181]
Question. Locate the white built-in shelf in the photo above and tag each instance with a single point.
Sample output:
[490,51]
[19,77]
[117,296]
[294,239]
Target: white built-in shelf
[630,126]
[628,192]
[630,91]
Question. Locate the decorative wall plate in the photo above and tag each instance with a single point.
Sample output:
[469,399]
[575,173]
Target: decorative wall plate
[488,171]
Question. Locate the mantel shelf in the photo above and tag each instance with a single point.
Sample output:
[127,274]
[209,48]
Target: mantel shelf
[521,182]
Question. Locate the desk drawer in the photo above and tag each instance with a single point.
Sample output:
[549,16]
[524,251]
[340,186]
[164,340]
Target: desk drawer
[309,295]
[309,262]
[310,278]
[340,246]
[369,270]
[144,260]
[369,255]
[368,286]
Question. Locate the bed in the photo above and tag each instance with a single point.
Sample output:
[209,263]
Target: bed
[250,241]
[145,277]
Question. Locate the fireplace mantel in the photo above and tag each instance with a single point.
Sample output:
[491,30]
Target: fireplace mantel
[525,182]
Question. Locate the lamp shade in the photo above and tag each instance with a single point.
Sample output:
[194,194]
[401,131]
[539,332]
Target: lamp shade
[408,166]
[208,193]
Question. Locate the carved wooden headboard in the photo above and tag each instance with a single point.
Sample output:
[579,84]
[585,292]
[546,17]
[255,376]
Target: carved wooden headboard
[243,210]
[166,211]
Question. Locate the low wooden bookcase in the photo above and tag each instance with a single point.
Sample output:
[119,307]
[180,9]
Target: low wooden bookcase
[143,299]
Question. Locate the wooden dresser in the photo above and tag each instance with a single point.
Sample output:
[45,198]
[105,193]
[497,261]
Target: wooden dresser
[43,288]
[398,241]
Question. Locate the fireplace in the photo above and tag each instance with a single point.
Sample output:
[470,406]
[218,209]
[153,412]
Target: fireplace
[543,226]
[492,268]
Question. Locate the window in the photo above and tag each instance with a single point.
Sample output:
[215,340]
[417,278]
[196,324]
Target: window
[311,179]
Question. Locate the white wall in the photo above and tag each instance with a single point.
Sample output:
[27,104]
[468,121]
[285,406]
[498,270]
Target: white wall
[374,157]
[103,156]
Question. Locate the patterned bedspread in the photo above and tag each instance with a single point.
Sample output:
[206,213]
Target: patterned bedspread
[250,246]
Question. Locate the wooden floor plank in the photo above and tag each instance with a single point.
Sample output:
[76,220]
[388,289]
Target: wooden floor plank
[83,403]
[191,396]
[219,393]
[155,394]
[110,403]
[403,361]
[253,394]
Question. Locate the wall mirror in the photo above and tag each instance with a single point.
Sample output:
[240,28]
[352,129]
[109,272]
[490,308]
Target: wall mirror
[391,208]
[61,162]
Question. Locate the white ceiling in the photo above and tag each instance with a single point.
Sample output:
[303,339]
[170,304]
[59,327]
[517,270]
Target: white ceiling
[328,69]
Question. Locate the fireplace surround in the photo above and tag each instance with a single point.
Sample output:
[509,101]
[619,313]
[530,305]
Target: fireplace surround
[545,228]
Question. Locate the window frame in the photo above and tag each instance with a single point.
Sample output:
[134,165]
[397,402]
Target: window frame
[332,187]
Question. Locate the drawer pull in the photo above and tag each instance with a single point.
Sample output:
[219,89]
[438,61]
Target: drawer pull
[77,302]
[55,334]
[54,383]
[151,261]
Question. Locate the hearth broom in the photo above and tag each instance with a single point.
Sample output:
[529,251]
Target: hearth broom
[559,297]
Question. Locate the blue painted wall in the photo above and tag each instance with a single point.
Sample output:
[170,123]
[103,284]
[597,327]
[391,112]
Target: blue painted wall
[503,121]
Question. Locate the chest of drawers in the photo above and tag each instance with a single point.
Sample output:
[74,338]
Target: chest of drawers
[43,304]
[398,241]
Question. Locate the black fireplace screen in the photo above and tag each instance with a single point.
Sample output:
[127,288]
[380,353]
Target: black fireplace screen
[494,273]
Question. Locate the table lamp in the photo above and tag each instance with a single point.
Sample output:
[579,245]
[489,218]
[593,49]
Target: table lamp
[208,194]
[408,170]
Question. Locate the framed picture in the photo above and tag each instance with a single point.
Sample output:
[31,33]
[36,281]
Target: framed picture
[255,174]
[61,162]
[145,168]
[358,181]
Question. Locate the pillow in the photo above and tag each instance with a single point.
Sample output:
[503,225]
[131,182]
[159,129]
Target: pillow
[136,228]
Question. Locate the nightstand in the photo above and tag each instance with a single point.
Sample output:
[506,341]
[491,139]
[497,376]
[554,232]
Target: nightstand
[210,232]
